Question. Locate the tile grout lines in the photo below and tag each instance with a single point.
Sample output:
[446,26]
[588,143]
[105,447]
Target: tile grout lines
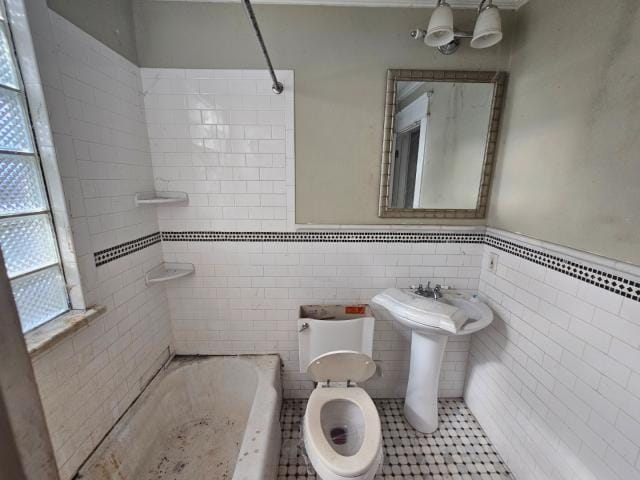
[616,284]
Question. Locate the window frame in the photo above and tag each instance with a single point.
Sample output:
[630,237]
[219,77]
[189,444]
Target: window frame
[47,212]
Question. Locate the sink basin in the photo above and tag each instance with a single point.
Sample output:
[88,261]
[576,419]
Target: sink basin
[431,322]
[453,314]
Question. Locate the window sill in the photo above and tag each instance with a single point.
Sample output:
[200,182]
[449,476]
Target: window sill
[42,338]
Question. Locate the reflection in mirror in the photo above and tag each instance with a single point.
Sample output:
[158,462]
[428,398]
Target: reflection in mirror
[438,147]
[440,132]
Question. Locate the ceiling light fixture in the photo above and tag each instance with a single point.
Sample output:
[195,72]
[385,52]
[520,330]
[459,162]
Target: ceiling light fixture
[442,35]
[440,29]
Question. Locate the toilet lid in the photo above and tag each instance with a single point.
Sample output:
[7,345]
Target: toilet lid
[342,365]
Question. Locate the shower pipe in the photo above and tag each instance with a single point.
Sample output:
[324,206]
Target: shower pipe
[277,86]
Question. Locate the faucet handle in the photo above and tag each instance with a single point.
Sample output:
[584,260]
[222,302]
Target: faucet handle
[437,290]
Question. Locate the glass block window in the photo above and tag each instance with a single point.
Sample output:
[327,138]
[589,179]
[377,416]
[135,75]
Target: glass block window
[27,237]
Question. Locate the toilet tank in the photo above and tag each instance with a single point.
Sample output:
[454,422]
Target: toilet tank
[328,328]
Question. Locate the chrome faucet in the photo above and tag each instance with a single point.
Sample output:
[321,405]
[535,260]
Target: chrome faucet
[420,290]
[423,291]
[429,292]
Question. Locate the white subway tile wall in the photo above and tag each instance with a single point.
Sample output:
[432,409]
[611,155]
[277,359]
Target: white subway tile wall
[555,380]
[223,137]
[94,98]
[244,298]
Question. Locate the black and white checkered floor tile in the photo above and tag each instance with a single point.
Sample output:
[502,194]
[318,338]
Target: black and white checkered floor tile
[458,450]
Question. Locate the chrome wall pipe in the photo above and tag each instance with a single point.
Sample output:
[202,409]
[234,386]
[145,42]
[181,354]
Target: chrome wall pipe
[277,87]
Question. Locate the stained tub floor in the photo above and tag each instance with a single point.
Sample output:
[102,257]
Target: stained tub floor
[203,448]
[459,450]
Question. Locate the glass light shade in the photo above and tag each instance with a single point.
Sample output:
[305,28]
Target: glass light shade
[488,29]
[440,31]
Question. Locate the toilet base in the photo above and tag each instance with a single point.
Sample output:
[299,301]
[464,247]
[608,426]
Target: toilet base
[324,473]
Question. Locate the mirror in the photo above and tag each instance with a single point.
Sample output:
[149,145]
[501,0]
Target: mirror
[438,148]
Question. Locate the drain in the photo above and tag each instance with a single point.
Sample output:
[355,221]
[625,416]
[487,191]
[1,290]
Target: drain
[338,435]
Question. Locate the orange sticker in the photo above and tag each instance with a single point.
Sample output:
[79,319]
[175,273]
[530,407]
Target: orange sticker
[355,310]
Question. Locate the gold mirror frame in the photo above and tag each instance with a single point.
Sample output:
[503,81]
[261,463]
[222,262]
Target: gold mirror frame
[499,81]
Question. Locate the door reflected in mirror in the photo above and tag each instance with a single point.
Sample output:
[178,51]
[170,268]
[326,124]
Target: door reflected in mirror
[438,154]
[441,129]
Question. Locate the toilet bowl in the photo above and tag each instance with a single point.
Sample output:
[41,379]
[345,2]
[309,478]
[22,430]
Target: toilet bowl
[341,426]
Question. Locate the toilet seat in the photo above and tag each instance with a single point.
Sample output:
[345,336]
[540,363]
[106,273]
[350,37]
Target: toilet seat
[320,450]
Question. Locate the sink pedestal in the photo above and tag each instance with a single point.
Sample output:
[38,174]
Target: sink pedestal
[461,313]
[421,400]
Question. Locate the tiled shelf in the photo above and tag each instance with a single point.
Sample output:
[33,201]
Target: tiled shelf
[162,198]
[166,272]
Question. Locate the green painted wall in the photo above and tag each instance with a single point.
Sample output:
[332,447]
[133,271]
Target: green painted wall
[109,21]
[340,57]
[569,164]
[565,163]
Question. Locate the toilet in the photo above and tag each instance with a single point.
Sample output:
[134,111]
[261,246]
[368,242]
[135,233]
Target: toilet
[341,426]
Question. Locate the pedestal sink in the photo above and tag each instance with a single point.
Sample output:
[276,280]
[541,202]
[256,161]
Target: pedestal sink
[431,322]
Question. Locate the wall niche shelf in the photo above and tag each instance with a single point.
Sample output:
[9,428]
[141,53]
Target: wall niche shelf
[169,271]
[162,198]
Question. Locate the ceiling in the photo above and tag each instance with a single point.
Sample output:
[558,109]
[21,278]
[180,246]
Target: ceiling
[506,4]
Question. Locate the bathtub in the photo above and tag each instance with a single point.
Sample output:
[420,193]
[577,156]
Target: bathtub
[200,417]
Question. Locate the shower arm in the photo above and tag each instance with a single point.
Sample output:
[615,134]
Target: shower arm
[277,86]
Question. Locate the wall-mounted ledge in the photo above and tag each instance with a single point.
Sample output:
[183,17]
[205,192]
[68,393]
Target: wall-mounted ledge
[53,332]
[168,271]
[161,198]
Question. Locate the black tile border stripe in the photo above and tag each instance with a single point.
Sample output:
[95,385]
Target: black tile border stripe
[601,279]
[624,287]
[110,254]
[324,237]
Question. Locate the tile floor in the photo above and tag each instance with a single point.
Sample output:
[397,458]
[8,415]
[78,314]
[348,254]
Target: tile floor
[458,450]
